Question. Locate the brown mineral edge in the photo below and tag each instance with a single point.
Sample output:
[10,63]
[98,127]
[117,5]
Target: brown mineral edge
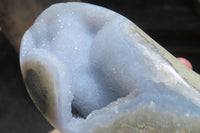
[54,131]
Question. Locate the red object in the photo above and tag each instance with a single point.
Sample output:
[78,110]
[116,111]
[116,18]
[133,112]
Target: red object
[185,62]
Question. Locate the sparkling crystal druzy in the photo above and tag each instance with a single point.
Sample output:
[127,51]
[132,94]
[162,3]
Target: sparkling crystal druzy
[91,70]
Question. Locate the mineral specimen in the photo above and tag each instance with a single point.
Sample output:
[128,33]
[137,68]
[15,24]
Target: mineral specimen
[91,70]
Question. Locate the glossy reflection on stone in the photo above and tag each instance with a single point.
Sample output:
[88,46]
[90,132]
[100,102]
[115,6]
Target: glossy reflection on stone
[40,95]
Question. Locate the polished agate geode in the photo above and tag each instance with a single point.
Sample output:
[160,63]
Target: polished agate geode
[91,70]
